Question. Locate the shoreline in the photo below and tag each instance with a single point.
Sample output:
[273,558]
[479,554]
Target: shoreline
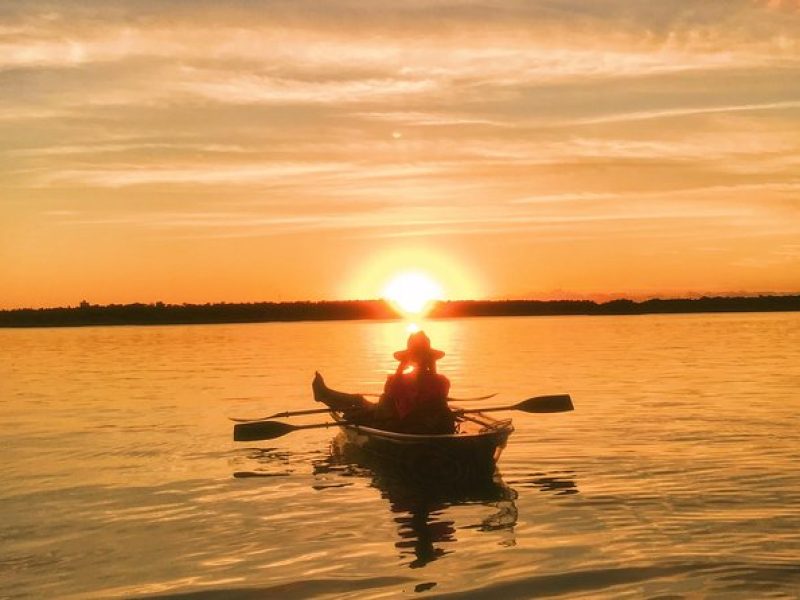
[159,313]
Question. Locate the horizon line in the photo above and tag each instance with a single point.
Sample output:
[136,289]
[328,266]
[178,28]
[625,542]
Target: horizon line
[598,299]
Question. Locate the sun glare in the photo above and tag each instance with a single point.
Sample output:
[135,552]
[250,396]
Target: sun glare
[410,278]
[413,292]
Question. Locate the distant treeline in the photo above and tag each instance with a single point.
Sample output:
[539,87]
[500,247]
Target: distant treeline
[175,314]
[520,308]
[160,313]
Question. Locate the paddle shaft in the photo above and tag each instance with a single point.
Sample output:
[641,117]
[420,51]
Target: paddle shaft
[319,425]
[449,398]
[284,415]
[320,411]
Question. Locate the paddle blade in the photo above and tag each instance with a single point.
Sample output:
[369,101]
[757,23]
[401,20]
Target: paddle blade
[263,430]
[546,404]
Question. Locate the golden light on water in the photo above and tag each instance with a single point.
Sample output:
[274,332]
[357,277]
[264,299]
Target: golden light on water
[413,293]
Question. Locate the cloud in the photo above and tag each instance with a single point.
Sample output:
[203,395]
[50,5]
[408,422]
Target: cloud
[236,175]
[251,89]
[421,119]
[686,112]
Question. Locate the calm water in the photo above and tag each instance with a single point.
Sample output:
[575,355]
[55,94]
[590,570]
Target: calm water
[678,475]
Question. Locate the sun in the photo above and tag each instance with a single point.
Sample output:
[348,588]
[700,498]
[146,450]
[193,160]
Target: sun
[412,292]
[411,276]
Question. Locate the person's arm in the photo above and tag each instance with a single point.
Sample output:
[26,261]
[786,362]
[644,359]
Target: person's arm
[445,385]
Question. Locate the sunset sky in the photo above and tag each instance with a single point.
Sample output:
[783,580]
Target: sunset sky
[243,150]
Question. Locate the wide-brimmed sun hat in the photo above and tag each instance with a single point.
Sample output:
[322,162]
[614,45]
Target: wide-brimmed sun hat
[418,348]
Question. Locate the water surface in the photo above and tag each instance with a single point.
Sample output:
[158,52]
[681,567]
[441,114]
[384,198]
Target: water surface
[676,477]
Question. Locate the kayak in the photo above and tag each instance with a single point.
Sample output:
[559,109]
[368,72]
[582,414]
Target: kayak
[464,457]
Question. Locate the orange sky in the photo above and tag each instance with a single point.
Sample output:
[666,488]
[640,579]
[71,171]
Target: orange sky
[238,151]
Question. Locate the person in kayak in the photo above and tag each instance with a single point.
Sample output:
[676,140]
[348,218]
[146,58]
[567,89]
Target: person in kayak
[414,399]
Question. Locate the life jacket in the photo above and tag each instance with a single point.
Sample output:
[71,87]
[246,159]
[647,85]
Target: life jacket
[412,392]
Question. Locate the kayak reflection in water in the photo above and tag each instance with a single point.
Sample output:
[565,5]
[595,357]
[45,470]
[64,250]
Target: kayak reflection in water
[424,513]
[414,399]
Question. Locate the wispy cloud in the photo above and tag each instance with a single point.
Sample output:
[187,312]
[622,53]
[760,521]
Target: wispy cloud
[685,112]
[238,175]
[789,188]
[248,89]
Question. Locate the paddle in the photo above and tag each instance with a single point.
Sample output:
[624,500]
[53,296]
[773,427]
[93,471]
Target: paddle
[537,404]
[267,430]
[319,411]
